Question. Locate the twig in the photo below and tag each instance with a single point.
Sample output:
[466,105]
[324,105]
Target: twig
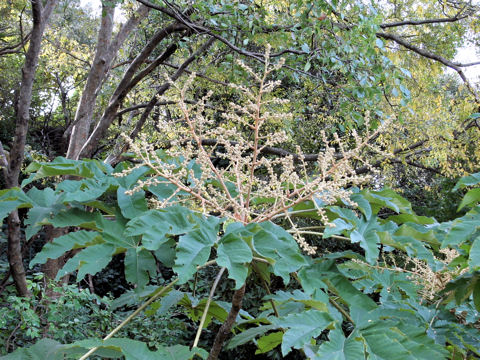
[207,306]
[130,317]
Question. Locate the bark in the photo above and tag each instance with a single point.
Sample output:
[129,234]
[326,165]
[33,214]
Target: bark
[41,15]
[106,51]
[128,82]
[114,158]
[226,327]
[52,266]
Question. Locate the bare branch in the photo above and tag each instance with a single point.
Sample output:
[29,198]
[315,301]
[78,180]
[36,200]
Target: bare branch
[422,22]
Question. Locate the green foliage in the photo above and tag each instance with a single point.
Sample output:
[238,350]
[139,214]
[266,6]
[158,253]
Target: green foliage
[379,302]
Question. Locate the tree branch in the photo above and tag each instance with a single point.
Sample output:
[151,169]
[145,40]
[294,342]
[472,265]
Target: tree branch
[429,55]
[422,22]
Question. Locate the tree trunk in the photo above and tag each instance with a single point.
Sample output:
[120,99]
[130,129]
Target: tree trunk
[105,53]
[40,19]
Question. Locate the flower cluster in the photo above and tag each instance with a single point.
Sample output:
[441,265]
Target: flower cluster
[254,184]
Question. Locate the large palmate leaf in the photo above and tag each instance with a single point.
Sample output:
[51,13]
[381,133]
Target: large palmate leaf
[471,197]
[62,244]
[279,247]
[131,205]
[386,198]
[463,287]
[85,190]
[136,350]
[248,335]
[404,341]
[62,166]
[138,264]
[153,225]
[194,248]
[46,203]
[234,253]
[11,199]
[460,230]
[360,230]
[111,348]
[325,274]
[470,180]
[77,217]
[302,327]
[338,347]
[43,349]
[88,261]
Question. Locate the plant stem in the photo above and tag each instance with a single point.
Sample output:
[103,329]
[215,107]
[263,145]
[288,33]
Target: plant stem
[317,233]
[228,324]
[140,309]
[342,310]
[131,316]
[207,305]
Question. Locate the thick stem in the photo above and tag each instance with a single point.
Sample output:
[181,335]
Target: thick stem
[226,327]
[40,17]
[15,254]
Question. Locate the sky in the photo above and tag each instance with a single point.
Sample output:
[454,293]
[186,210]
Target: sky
[465,54]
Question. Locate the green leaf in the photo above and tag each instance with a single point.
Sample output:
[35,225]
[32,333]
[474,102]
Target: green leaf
[470,180]
[46,204]
[269,342]
[369,243]
[136,350]
[131,205]
[405,342]
[474,256]
[274,243]
[476,296]
[195,309]
[339,227]
[161,307]
[387,198]
[354,298]
[234,254]
[340,348]
[462,287]
[363,205]
[248,335]
[138,264]
[405,218]
[88,261]
[11,199]
[166,253]
[43,349]
[155,224]
[473,196]
[61,166]
[461,229]
[62,244]
[85,190]
[193,249]
[302,328]
[77,217]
